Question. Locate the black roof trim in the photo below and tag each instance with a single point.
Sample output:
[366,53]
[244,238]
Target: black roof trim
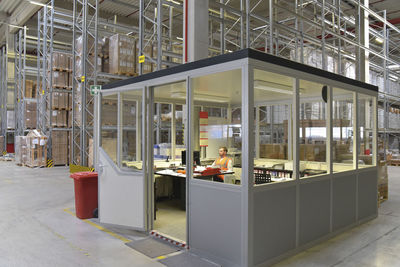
[244,53]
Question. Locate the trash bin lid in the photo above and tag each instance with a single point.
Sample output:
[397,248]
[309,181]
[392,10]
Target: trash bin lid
[83,175]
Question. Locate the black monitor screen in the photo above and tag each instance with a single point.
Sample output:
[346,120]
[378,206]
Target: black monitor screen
[196,157]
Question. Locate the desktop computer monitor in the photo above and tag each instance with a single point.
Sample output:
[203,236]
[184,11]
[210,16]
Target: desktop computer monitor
[196,157]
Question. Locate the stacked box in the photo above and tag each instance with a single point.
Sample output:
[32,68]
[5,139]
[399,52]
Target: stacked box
[30,115]
[61,100]
[36,153]
[60,79]
[59,118]
[147,65]
[273,151]
[30,89]
[129,113]
[122,54]
[20,149]
[62,61]
[31,150]
[60,155]
[110,147]
[313,152]
[105,47]
[109,111]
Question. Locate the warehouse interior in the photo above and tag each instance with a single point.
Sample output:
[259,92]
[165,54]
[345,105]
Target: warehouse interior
[149,94]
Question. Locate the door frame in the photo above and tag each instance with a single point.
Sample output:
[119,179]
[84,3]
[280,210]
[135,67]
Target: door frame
[150,101]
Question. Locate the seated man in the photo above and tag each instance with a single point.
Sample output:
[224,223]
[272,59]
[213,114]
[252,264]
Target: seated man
[222,162]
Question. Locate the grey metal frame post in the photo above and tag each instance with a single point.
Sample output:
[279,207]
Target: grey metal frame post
[3,95]
[149,177]
[85,24]
[296,151]
[247,184]
[189,150]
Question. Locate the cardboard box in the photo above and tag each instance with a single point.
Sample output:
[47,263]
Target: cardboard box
[109,112]
[59,118]
[273,151]
[30,115]
[31,150]
[60,79]
[122,54]
[61,61]
[30,89]
[60,148]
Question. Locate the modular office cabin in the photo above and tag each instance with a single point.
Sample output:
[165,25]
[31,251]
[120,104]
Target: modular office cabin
[303,142]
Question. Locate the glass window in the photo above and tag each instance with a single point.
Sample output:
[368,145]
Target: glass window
[342,136]
[312,128]
[109,119]
[273,98]
[131,147]
[217,136]
[169,117]
[366,130]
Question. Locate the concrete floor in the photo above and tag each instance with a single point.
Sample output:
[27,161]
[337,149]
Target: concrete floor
[171,219]
[36,230]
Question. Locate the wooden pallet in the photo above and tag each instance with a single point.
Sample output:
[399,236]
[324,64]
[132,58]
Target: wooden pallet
[62,87]
[62,70]
[395,162]
[130,74]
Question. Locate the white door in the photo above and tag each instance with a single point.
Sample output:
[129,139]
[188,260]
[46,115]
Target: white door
[122,185]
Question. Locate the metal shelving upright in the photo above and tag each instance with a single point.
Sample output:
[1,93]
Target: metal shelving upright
[3,93]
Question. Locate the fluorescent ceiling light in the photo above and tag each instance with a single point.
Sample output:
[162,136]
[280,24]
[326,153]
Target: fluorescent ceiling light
[274,87]
[394,67]
[38,3]
[175,2]
[201,97]
[379,40]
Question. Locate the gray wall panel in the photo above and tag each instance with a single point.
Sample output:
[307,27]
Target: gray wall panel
[215,222]
[314,210]
[367,194]
[344,201]
[274,223]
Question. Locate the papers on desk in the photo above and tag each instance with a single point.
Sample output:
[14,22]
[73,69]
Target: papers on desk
[167,172]
[171,172]
[199,169]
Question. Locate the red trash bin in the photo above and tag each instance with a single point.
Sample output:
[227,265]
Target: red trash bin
[85,193]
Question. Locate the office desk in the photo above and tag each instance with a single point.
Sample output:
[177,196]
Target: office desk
[179,182]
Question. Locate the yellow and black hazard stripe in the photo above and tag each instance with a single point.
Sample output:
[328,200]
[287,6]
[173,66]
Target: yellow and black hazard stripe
[50,163]
[4,153]
[77,168]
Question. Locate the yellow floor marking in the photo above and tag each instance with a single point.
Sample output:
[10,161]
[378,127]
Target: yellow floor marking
[101,228]
[161,257]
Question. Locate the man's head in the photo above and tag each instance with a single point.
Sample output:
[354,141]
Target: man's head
[222,151]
